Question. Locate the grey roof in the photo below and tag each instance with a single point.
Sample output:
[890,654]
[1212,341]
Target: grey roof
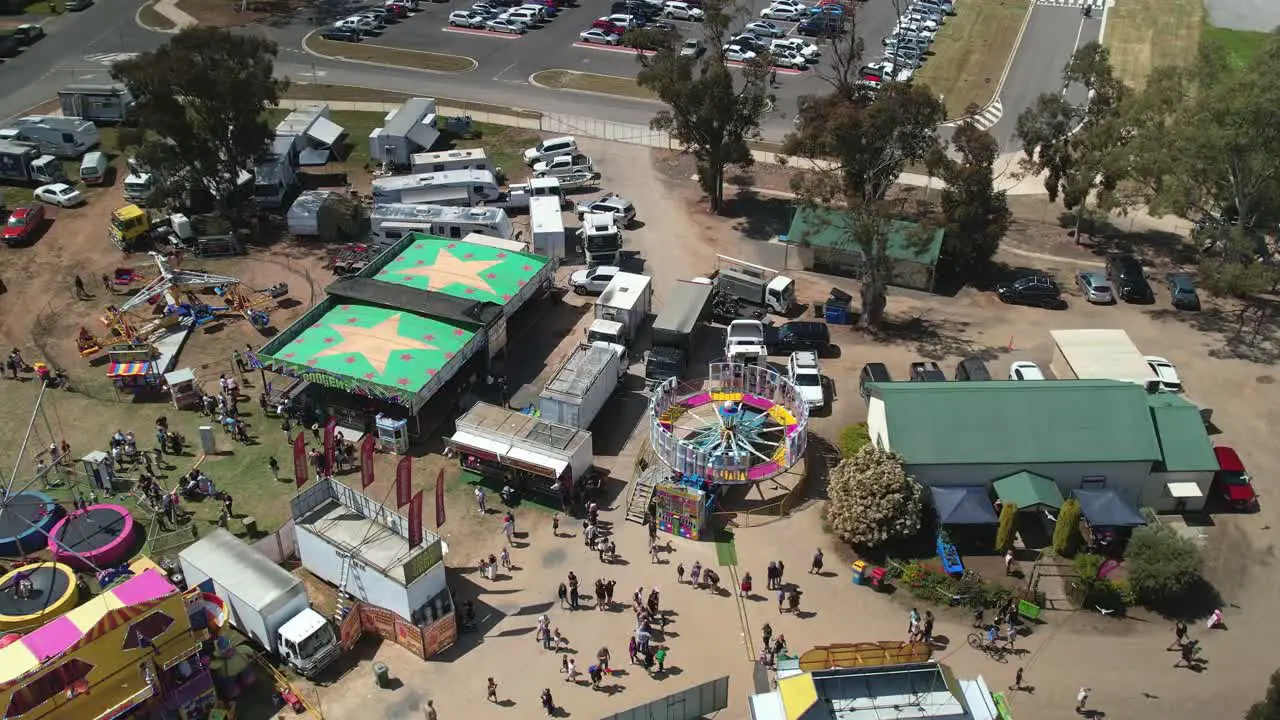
[1105,508]
[579,371]
[253,577]
[325,131]
[313,156]
[683,306]
[309,202]
[410,114]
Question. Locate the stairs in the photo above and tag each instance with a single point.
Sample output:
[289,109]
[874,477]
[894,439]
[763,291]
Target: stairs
[641,494]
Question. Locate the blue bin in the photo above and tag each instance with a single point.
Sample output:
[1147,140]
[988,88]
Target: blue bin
[837,314]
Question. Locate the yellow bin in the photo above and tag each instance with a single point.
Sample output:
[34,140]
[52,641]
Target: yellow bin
[859,572]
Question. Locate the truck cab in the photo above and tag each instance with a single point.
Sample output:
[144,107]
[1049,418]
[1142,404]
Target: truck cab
[606,331]
[139,185]
[745,343]
[754,284]
[600,238]
[307,643]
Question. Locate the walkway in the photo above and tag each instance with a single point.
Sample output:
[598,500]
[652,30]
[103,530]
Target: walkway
[175,14]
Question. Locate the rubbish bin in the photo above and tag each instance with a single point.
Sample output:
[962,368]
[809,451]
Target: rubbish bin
[859,572]
[250,524]
[877,578]
[836,311]
[381,676]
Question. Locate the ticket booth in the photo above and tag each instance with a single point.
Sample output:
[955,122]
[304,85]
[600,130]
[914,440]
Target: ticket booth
[393,434]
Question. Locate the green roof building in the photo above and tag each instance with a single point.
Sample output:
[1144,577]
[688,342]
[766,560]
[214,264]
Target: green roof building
[822,239]
[1091,434]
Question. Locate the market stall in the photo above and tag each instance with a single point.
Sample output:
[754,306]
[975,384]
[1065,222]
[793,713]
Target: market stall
[183,389]
[525,452]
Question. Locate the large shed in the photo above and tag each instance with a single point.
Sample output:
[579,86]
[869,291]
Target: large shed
[409,129]
[822,242]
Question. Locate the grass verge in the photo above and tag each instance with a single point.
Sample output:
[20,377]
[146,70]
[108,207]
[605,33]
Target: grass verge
[592,82]
[726,551]
[1145,34]
[1241,46]
[41,7]
[971,52]
[151,18]
[399,57]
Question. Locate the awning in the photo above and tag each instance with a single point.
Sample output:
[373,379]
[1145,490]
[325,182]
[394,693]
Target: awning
[313,156]
[130,369]
[1105,508]
[1183,489]
[1028,490]
[325,131]
[470,444]
[533,462]
[963,506]
[179,376]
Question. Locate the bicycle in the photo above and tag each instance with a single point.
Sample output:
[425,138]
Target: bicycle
[996,652]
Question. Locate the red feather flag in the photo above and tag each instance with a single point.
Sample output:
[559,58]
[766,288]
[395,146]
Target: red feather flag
[404,482]
[440,498]
[415,520]
[366,462]
[300,459]
[330,428]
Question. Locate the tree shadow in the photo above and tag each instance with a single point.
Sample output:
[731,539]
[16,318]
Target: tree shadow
[1104,237]
[758,217]
[1247,332]
[935,339]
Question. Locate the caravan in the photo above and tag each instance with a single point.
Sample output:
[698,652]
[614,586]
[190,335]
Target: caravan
[480,185]
[434,162]
[547,225]
[277,173]
[65,137]
[389,223]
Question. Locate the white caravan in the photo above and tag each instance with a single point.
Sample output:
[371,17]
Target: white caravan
[389,223]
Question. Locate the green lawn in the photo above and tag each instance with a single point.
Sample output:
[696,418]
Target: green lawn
[1240,45]
[1145,34]
[970,53]
[388,55]
[593,82]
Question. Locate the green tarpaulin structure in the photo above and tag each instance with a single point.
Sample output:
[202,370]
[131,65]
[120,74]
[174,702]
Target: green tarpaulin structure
[1029,490]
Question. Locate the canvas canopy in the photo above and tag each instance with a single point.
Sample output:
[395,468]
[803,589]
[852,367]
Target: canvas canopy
[963,506]
[1106,508]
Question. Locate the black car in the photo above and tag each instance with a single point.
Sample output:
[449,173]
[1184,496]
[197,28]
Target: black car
[1037,290]
[1182,292]
[799,335]
[824,25]
[927,371]
[341,34]
[1127,276]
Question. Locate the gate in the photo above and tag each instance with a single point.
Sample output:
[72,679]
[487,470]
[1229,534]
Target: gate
[691,704]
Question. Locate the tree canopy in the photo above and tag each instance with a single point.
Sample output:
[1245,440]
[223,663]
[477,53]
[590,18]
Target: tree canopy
[1268,708]
[872,501]
[1162,565]
[202,97]
[975,213]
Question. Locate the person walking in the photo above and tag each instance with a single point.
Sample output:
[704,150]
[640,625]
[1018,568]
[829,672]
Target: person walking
[781,569]
[653,553]
[695,573]
[480,508]
[430,711]
[660,657]
[563,593]
[1017,680]
[782,597]
[1082,698]
[1179,635]
[509,529]
[573,592]
[1010,635]
[771,576]
[766,634]
[505,558]
[106,283]
[815,568]
[492,694]
[275,467]
[547,703]
[977,616]
[744,587]
[680,574]
[571,673]
[633,649]
[555,525]
[1008,562]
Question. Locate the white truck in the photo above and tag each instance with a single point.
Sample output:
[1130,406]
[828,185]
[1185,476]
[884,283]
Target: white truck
[755,285]
[745,343]
[582,384]
[600,239]
[625,303]
[264,601]
[546,225]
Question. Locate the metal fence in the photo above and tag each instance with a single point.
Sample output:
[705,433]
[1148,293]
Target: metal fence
[689,704]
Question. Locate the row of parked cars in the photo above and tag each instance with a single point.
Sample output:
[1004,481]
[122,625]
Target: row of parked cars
[515,17]
[371,21]
[907,44]
[1123,278]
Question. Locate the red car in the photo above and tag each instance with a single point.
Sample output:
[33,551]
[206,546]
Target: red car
[609,26]
[24,222]
[1232,480]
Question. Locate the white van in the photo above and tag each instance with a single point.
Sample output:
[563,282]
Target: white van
[93,168]
[547,149]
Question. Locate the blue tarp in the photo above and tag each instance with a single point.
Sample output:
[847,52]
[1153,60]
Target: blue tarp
[1103,508]
[963,506]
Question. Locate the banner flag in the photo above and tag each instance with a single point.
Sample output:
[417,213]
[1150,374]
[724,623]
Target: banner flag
[366,462]
[415,520]
[404,482]
[330,428]
[300,459]
[440,498]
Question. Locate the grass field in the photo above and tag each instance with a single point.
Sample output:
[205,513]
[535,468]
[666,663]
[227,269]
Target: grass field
[390,55]
[592,82]
[1145,34]
[970,53]
[1240,45]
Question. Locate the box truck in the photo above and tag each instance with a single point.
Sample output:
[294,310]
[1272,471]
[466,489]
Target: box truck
[626,301]
[23,163]
[546,224]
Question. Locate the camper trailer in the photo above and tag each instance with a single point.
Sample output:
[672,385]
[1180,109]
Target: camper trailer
[405,188]
[276,174]
[547,225]
[109,103]
[389,223]
[434,162]
[406,130]
[64,137]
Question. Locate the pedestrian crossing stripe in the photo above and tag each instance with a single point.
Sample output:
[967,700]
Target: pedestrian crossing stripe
[1095,4]
[984,120]
[110,58]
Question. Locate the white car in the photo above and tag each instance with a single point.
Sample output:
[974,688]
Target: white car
[737,53]
[693,47]
[764,29]
[549,148]
[780,11]
[503,25]
[528,18]
[466,19]
[627,21]
[805,374]
[592,281]
[539,10]
[595,35]
[359,22]
[1166,372]
[1025,370]
[882,71]
[806,49]
[623,211]
[681,11]
[783,58]
[60,194]
[377,15]
[564,164]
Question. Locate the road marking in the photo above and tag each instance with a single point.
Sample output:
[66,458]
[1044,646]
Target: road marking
[1095,4]
[1013,53]
[984,120]
[611,48]
[110,58]
[482,33]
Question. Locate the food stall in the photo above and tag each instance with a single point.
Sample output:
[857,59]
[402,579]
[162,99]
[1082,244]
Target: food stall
[183,389]
[508,444]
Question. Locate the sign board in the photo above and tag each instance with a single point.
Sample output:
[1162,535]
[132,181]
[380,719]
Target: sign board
[351,630]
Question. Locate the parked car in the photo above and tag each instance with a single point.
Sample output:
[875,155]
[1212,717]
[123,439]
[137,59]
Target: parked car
[505,25]
[738,53]
[806,49]
[488,10]
[927,371]
[378,15]
[1130,279]
[364,24]
[467,19]
[24,223]
[1095,287]
[624,213]
[883,71]
[1182,292]
[77,5]
[629,22]
[608,26]
[1025,370]
[27,34]
[806,374]
[747,41]
[681,11]
[764,29]
[60,194]
[784,58]
[528,18]
[397,10]
[784,11]
[798,335]
[592,281]
[821,26]
[905,43]
[693,47]
[1166,372]
[1038,290]
[549,148]
[341,34]
[599,37]
[1232,482]
[872,373]
[972,369]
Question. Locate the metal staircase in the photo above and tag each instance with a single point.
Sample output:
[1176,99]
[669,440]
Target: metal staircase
[641,494]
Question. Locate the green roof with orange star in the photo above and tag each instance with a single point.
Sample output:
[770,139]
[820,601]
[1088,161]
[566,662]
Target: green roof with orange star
[462,269]
[372,346]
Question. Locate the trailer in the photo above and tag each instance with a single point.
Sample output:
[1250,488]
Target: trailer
[546,222]
[625,301]
[408,129]
[402,188]
[434,162]
[389,223]
[104,103]
[581,385]
[23,163]
[312,131]
[64,137]
[277,173]
[755,285]
[675,330]
[265,602]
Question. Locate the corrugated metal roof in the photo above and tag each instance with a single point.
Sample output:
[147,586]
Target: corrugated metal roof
[829,229]
[1001,422]
[1183,438]
[325,131]
[409,114]
[1102,355]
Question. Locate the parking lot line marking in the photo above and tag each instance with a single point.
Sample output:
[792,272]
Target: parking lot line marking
[611,48]
[481,33]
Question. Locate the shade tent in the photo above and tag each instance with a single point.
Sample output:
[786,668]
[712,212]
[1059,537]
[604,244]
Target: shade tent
[1028,490]
[1104,508]
[963,506]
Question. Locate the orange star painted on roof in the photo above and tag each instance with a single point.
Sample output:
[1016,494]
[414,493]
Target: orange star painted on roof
[377,344]
[449,269]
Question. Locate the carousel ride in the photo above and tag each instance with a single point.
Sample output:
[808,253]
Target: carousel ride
[748,425]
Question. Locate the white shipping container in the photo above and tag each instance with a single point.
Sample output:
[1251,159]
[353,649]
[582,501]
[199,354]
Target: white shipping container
[580,387]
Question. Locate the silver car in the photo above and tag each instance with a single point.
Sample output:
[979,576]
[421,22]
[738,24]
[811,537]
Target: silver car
[1095,287]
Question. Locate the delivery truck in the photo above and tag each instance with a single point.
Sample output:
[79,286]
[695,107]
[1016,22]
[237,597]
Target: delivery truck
[100,103]
[625,301]
[582,384]
[23,163]
[264,601]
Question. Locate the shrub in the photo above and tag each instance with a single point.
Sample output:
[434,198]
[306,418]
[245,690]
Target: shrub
[1008,526]
[872,500]
[1162,565]
[1269,708]
[1065,532]
[853,438]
